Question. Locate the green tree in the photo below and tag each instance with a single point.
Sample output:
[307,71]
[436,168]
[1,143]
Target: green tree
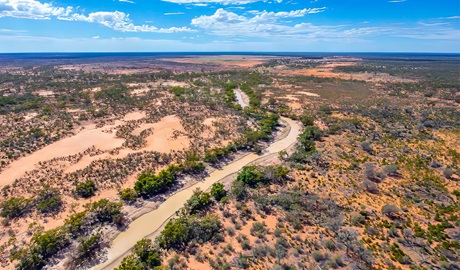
[148,255]
[218,191]
[107,211]
[86,189]
[199,201]
[175,234]
[250,176]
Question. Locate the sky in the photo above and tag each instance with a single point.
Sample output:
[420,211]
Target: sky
[229,25]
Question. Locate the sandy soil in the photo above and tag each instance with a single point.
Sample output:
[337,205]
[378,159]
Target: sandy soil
[162,139]
[324,72]
[75,144]
[134,116]
[223,60]
[44,93]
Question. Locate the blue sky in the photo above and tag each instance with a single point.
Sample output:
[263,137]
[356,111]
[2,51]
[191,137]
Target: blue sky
[230,25]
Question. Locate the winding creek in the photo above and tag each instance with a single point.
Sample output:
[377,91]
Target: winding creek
[153,221]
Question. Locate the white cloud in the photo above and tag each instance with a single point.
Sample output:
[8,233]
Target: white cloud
[127,1]
[31,9]
[271,24]
[173,13]
[222,2]
[120,21]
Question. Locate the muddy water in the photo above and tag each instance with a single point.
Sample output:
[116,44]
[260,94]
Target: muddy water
[153,220]
[241,98]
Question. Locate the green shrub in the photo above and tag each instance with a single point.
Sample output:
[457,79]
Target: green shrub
[15,207]
[107,211]
[128,195]
[148,184]
[48,200]
[86,189]
[199,201]
[218,191]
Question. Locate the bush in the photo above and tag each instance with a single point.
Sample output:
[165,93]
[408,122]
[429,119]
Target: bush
[318,256]
[390,210]
[106,211]
[86,248]
[147,254]
[239,190]
[48,200]
[370,187]
[148,184]
[41,247]
[86,189]
[218,191]
[128,195]
[307,119]
[250,175]
[175,234]
[179,232]
[391,170]
[448,173]
[367,147]
[199,201]
[15,207]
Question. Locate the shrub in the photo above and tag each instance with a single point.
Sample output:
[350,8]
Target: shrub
[250,176]
[86,248]
[318,256]
[106,211]
[15,207]
[147,254]
[199,201]
[86,189]
[369,173]
[391,170]
[218,191]
[448,173]
[128,195]
[175,234]
[192,164]
[148,184]
[42,246]
[178,232]
[258,229]
[367,147]
[329,244]
[239,190]
[307,119]
[48,200]
[390,210]
[370,187]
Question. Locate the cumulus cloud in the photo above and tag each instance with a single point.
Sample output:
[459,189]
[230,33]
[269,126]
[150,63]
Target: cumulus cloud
[270,24]
[31,9]
[120,21]
[273,25]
